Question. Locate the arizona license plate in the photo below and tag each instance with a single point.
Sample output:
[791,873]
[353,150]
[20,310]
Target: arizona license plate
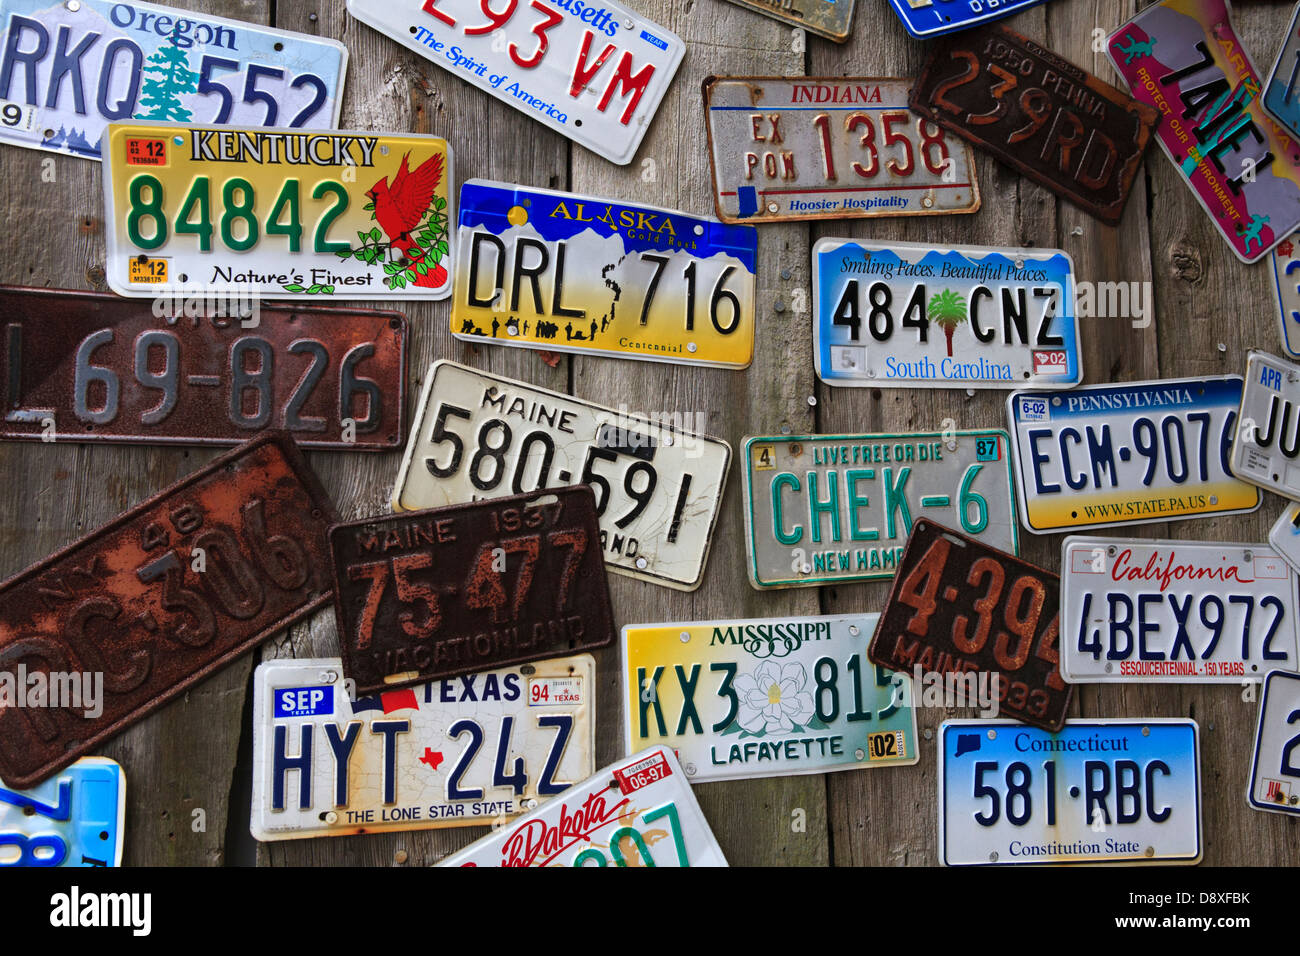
[451,753]
[932,18]
[1098,791]
[1285,261]
[69,69]
[638,812]
[551,270]
[827,18]
[592,72]
[785,149]
[830,509]
[904,314]
[288,215]
[658,484]
[73,819]
[1275,767]
[1111,455]
[1281,98]
[1268,443]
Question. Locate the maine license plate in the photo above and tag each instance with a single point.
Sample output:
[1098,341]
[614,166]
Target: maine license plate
[551,270]
[452,753]
[932,18]
[1268,442]
[1286,285]
[1275,768]
[1281,98]
[827,18]
[69,69]
[827,509]
[73,819]
[1284,536]
[909,315]
[658,484]
[592,72]
[1111,455]
[287,215]
[1098,791]
[785,149]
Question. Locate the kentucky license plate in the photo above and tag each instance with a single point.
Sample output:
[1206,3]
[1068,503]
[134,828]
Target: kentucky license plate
[826,18]
[1268,442]
[1281,98]
[904,314]
[1275,767]
[551,270]
[1286,284]
[1098,791]
[452,753]
[73,819]
[932,18]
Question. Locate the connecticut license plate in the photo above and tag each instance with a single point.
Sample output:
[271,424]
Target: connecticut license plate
[1268,442]
[932,18]
[1281,97]
[1275,768]
[1286,284]
[827,18]
[73,819]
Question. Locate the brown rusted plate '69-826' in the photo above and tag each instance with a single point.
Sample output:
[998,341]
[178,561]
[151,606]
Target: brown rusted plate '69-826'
[134,614]
[464,588]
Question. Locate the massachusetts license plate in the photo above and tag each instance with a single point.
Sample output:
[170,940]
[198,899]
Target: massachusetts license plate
[69,69]
[1268,442]
[1284,536]
[592,72]
[81,366]
[932,18]
[826,509]
[551,270]
[658,483]
[1281,95]
[73,819]
[785,149]
[1175,612]
[638,812]
[909,315]
[1275,768]
[452,753]
[1099,791]
[1286,284]
[827,18]
[287,215]
[1111,455]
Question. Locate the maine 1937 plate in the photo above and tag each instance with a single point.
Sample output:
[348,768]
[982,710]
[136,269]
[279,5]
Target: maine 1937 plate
[451,753]
[1284,536]
[903,314]
[785,148]
[1275,767]
[551,270]
[1281,97]
[1285,260]
[73,819]
[1268,442]
[826,18]
[932,18]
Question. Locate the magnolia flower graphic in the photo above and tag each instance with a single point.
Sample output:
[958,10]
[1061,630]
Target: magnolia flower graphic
[772,700]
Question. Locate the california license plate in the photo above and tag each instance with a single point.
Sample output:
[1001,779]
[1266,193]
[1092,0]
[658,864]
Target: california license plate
[1281,97]
[1268,443]
[73,819]
[909,315]
[1275,767]
[287,215]
[932,18]
[827,18]
[1097,791]
[551,270]
[1286,285]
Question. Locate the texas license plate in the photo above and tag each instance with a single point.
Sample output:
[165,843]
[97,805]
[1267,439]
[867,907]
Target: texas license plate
[1281,97]
[73,819]
[1275,768]
[826,509]
[827,18]
[551,270]
[1268,442]
[452,753]
[658,483]
[1098,791]
[1286,284]
[932,18]
[69,69]
[909,315]
[785,149]
[288,215]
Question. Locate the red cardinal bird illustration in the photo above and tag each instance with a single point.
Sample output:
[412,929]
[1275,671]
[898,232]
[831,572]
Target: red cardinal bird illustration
[400,207]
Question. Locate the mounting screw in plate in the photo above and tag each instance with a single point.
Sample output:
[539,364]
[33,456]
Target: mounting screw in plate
[328,677]
[993,857]
[1109,667]
[642,564]
[785,428]
[805,569]
[1111,551]
[690,769]
[1020,263]
[528,804]
[528,670]
[812,400]
[1146,731]
[1150,851]
[993,735]
[1249,557]
[691,346]
[331,817]
[686,637]
[927,202]
[73,5]
[853,629]
[952,446]
[928,734]
[779,306]
[699,229]
[860,754]
[772,207]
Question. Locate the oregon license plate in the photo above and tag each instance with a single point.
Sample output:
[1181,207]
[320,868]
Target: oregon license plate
[1275,767]
[1286,286]
[1268,442]
[1098,791]
[932,18]
[1281,96]
[903,314]
[658,483]
[827,18]
[73,819]
[287,215]
[551,270]
[785,149]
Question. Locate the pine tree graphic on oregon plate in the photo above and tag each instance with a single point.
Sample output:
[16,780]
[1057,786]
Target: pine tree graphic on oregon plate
[167,75]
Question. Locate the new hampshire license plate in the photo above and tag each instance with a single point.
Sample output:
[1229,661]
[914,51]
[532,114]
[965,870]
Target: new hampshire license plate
[73,819]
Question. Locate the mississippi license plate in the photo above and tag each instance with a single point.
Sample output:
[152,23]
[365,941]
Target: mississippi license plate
[1111,455]
[1275,767]
[658,483]
[785,149]
[1281,98]
[827,18]
[932,18]
[1268,442]
[551,270]
[1284,536]
[1286,285]
[69,69]
[452,753]
[73,819]
[828,509]
[592,72]
[288,215]
[909,315]
[1098,791]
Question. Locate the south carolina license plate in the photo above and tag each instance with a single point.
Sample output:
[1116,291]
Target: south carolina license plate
[932,18]
[1281,98]
[73,819]
[827,18]
[1268,443]
[1275,767]
[1285,261]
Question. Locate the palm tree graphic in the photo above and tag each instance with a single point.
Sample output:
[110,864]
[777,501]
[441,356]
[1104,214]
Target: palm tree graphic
[947,308]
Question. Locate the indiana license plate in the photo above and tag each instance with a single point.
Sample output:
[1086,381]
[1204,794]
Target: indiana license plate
[287,215]
[658,483]
[1098,791]
[73,819]
[909,315]
[1286,286]
[932,18]
[551,270]
[785,149]
[1268,443]
[1281,97]
[1275,767]
[826,18]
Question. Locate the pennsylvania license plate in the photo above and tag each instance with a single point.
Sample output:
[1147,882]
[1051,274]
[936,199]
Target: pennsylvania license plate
[551,270]
[1099,791]
[1275,768]
[1286,285]
[1281,97]
[828,509]
[932,18]
[287,215]
[69,69]
[827,18]
[73,819]
[738,700]
[1268,443]
[911,315]
[785,149]
[452,753]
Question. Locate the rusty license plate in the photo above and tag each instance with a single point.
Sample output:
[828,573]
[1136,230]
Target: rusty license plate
[825,18]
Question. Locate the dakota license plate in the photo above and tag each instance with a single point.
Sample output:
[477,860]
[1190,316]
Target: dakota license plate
[658,484]
[1268,442]
[932,18]
[785,149]
[1275,768]
[1284,536]
[827,18]
[911,315]
[73,819]
[1099,791]
[1281,97]
[288,215]
[1286,284]
[566,273]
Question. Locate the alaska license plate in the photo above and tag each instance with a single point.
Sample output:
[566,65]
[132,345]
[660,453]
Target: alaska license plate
[1268,443]
[565,273]
[73,819]
[932,18]
[826,18]
[1281,96]
[1286,285]
[911,315]
[1275,767]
